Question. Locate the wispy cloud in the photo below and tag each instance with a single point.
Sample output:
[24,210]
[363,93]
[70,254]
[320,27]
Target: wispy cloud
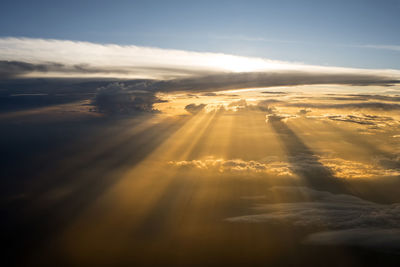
[384,47]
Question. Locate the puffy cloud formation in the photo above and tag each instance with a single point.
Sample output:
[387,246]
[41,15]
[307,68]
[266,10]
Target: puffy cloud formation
[239,103]
[346,219]
[194,109]
[353,169]
[303,112]
[118,98]
[300,164]
[235,165]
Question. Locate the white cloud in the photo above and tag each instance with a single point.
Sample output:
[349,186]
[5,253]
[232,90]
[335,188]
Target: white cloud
[147,62]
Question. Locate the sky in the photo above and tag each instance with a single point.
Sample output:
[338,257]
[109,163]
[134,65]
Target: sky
[200,133]
[361,34]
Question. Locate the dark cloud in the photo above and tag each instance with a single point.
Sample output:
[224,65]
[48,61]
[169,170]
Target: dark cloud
[324,209]
[200,80]
[277,117]
[16,69]
[357,105]
[209,94]
[303,112]
[118,98]
[193,108]
[12,69]
[344,218]
[379,239]
[352,118]
[274,93]
[389,162]
[225,81]
[264,105]
[367,97]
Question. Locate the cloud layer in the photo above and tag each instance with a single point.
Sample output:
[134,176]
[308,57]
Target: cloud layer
[346,219]
[191,71]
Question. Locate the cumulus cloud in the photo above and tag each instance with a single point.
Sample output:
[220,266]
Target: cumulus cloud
[238,103]
[353,169]
[346,219]
[265,105]
[118,98]
[235,165]
[278,117]
[301,164]
[303,112]
[194,109]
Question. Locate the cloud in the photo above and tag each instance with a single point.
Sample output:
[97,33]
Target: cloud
[384,47]
[194,109]
[274,93]
[346,219]
[324,209]
[302,163]
[278,117]
[348,169]
[303,112]
[380,239]
[239,103]
[356,105]
[12,69]
[177,70]
[20,69]
[264,105]
[392,162]
[363,119]
[226,81]
[367,97]
[235,165]
[118,98]
[209,94]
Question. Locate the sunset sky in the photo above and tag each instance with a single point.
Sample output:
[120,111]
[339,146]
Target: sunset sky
[200,133]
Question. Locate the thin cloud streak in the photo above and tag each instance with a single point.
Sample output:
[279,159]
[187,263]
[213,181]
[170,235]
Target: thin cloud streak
[384,47]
